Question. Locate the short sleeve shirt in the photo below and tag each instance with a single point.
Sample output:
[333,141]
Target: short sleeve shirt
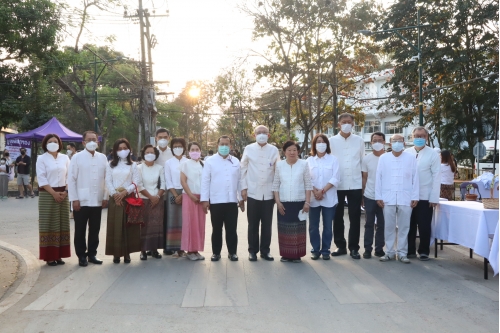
[369,165]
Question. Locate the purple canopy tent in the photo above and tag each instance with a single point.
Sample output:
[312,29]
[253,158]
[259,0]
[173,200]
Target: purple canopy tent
[53,126]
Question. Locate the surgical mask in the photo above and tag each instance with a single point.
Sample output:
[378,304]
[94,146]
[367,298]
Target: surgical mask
[91,146]
[163,143]
[321,147]
[194,155]
[52,147]
[123,153]
[224,150]
[419,142]
[150,157]
[377,146]
[2,162]
[69,152]
[397,146]
[261,138]
[346,128]
[178,151]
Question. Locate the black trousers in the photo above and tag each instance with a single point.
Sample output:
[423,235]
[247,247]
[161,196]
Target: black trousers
[421,217]
[224,215]
[354,210]
[259,213]
[92,217]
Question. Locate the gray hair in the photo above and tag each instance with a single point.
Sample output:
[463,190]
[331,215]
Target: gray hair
[420,128]
[345,115]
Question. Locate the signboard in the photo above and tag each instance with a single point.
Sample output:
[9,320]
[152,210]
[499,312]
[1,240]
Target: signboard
[479,150]
[14,147]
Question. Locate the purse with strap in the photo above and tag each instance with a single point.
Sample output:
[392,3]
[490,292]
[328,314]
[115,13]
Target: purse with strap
[135,208]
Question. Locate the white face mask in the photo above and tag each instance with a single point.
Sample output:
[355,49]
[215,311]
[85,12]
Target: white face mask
[321,147]
[2,162]
[52,147]
[397,146]
[91,146]
[178,151]
[123,153]
[163,143]
[377,146]
[261,138]
[69,152]
[346,128]
[150,157]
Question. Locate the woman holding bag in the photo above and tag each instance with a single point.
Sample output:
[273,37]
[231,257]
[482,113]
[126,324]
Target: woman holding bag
[121,175]
[152,230]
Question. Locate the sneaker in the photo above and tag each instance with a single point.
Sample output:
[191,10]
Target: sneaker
[297,260]
[424,257]
[380,253]
[198,255]
[404,260]
[175,255]
[367,254]
[183,254]
[385,257]
[283,259]
[191,256]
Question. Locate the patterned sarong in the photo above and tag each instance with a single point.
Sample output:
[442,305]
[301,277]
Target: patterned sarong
[292,233]
[173,224]
[152,231]
[121,239]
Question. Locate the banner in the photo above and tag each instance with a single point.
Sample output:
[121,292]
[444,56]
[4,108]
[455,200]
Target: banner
[14,147]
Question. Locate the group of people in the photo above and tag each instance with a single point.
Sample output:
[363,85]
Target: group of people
[398,191]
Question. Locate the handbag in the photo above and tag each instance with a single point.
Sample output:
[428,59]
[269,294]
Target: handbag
[135,208]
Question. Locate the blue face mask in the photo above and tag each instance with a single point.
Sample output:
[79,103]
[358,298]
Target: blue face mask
[419,142]
[224,150]
[397,146]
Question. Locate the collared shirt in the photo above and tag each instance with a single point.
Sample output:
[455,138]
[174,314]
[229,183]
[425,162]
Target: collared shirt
[324,170]
[292,181]
[164,156]
[397,179]
[220,181]
[257,170]
[447,175]
[193,172]
[173,173]
[349,152]
[429,173]
[369,165]
[148,176]
[52,171]
[86,180]
[122,175]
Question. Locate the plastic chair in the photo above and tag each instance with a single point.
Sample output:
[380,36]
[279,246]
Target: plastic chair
[463,189]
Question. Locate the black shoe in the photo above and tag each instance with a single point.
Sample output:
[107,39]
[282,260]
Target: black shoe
[355,254]
[267,257]
[149,253]
[326,256]
[168,252]
[95,260]
[52,263]
[252,256]
[215,257]
[339,252]
[379,254]
[144,256]
[116,260]
[233,257]
[82,261]
[126,260]
[23,198]
[60,262]
[314,256]
[155,255]
[367,254]
[283,259]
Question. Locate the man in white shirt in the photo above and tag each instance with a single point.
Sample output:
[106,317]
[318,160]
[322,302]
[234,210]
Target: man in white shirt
[349,150]
[88,195]
[220,192]
[396,191]
[372,210]
[257,175]
[429,172]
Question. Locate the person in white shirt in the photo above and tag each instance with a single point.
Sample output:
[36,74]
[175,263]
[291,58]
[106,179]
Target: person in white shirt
[448,169]
[429,172]
[53,205]
[71,150]
[151,191]
[372,210]
[87,192]
[220,192]
[173,216]
[396,191]
[324,170]
[349,150]
[257,174]
[122,177]
[4,178]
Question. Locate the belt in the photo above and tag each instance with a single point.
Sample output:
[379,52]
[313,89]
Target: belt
[56,189]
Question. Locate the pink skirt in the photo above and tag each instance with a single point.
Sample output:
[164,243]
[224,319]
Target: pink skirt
[193,225]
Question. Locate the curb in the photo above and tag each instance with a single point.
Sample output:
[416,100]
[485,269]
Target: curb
[30,278]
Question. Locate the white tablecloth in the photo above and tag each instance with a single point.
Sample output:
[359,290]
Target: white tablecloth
[466,223]
[493,258]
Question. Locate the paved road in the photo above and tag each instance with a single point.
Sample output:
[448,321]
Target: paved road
[447,294]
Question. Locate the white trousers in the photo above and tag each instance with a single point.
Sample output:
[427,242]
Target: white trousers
[397,216]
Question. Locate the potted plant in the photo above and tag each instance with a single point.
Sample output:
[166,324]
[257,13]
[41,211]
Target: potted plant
[468,195]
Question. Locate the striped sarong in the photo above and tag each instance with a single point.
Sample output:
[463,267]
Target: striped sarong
[152,230]
[53,226]
[173,224]
[121,239]
[292,233]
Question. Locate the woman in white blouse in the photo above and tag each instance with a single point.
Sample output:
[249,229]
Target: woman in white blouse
[292,193]
[173,232]
[121,174]
[4,178]
[53,204]
[448,169]
[152,193]
[324,170]
[193,216]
